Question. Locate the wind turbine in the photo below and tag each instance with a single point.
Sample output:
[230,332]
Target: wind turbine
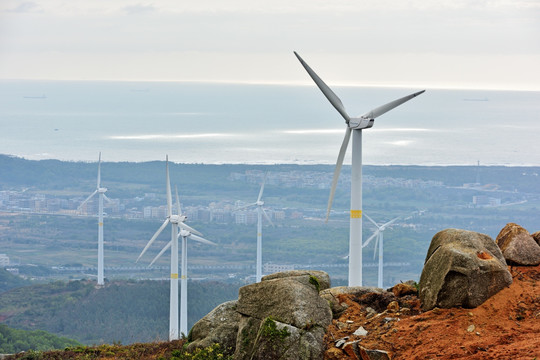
[260,212]
[177,223]
[101,191]
[354,126]
[378,235]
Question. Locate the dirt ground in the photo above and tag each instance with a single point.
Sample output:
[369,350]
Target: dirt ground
[506,326]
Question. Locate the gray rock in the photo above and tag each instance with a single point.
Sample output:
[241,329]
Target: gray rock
[316,278]
[271,339]
[360,331]
[462,268]
[536,237]
[219,326]
[331,295]
[287,301]
[282,317]
[518,246]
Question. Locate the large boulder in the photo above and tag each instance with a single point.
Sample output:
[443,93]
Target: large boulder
[536,237]
[462,269]
[271,339]
[219,326]
[319,279]
[283,317]
[518,246]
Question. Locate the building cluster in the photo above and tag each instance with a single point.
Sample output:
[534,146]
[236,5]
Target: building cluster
[322,180]
[288,179]
[485,201]
[224,212]
[221,213]
[22,201]
[377,182]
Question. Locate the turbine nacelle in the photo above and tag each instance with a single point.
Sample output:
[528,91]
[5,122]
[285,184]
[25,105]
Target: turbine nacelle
[184,233]
[102,190]
[259,203]
[361,123]
[176,219]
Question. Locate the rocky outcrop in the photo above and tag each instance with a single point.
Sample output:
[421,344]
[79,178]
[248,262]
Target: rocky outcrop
[518,246]
[282,317]
[319,279]
[462,269]
[219,326]
[536,237]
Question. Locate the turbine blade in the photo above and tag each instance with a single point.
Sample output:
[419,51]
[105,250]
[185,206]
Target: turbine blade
[370,219]
[375,248]
[165,223]
[391,222]
[267,217]
[87,199]
[330,95]
[188,228]
[262,187]
[107,199]
[169,195]
[245,206]
[161,253]
[178,209]
[339,164]
[202,240]
[99,172]
[370,238]
[387,107]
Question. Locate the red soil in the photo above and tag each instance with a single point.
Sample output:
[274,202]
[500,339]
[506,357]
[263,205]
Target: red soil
[506,326]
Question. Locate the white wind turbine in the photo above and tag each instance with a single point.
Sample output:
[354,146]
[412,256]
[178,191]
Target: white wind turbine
[101,191]
[260,212]
[177,222]
[355,126]
[378,235]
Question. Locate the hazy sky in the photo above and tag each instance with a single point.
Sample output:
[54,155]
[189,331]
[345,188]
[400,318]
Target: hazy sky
[432,43]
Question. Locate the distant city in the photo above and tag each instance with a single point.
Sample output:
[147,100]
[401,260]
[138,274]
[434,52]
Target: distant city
[226,211]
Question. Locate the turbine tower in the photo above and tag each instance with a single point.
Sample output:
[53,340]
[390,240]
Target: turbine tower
[177,223]
[260,212]
[101,191]
[378,235]
[354,126]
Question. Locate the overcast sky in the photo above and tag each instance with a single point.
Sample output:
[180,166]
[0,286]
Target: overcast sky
[427,43]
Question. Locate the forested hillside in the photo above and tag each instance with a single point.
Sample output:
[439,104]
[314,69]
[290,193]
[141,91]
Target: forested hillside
[9,281]
[124,312]
[14,340]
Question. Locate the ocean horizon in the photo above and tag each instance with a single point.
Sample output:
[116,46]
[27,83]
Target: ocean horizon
[222,123]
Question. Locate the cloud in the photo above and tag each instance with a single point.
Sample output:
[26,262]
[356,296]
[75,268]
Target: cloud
[166,136]
[26,7]
[139,9]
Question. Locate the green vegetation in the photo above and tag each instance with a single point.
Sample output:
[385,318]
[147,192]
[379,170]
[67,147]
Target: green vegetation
[315,282]
[127,311]
[14,340]
[270,331]
[9,281]
[173,350]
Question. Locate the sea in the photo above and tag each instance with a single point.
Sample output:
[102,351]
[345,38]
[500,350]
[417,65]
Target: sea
[223,123]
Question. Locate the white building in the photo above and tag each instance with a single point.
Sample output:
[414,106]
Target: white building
[4,260]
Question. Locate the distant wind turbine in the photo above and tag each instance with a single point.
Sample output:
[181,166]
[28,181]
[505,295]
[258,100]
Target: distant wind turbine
[177,223]
[260,212]
[355,126]
[378,235]
[101,191]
